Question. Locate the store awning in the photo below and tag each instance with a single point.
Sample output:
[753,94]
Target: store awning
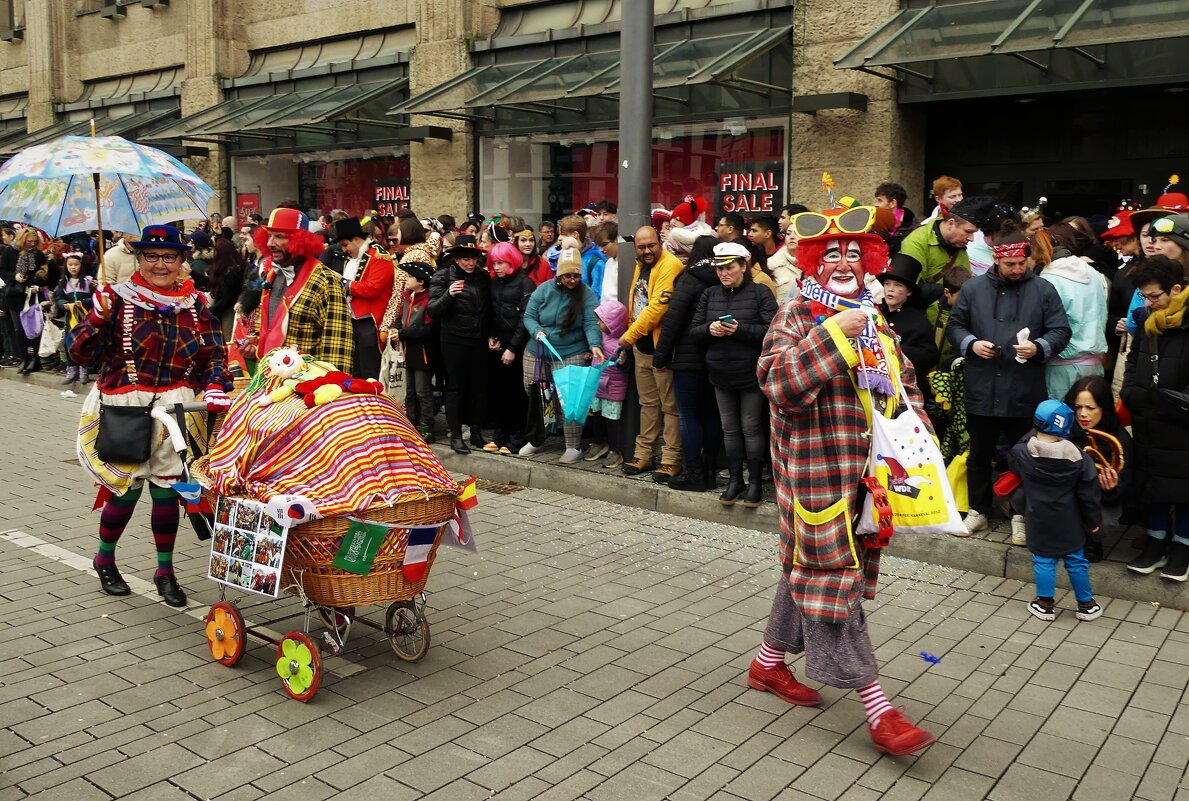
[1023,29]
[686,62]
[104,126]
[264,116]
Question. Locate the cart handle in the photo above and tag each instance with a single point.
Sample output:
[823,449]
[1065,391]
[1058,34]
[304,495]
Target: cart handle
[165,416]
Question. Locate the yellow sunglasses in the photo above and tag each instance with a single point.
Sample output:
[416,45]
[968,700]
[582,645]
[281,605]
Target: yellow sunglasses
[809,224]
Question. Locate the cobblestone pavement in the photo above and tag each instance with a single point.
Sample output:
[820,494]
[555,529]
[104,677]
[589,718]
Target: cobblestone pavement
[588,651]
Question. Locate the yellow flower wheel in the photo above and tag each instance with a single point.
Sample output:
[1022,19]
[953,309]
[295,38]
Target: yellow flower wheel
[298,666]
[225,633]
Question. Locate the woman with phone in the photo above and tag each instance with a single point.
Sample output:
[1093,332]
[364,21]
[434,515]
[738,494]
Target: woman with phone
[730,321]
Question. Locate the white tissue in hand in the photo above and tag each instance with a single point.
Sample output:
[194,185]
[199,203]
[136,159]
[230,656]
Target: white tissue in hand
[1022,339]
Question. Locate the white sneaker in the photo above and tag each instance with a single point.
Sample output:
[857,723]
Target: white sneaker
[1019,534]
[571,456]
[975,521]
[528,449]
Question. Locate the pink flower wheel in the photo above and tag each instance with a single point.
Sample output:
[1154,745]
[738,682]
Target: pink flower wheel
[298,666]
[225,633]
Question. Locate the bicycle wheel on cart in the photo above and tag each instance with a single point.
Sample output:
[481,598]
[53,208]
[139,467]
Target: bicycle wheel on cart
[225,634]
[408,630]
[298,666]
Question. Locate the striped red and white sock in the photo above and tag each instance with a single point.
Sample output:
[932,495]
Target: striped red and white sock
[770,657]
[875,703]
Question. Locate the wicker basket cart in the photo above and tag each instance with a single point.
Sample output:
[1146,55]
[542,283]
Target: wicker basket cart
[330,594]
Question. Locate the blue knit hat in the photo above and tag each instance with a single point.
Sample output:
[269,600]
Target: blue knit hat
[1053,417]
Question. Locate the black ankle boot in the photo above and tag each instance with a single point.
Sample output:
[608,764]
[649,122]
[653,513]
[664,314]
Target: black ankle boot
[691,478]
[755,486]
[477,440]
[110,580]
[735,485]
[458,445]
[167,588]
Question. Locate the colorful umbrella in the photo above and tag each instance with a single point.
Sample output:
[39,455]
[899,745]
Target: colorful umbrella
[53,186]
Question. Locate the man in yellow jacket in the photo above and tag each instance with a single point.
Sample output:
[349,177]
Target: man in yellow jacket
[652,286]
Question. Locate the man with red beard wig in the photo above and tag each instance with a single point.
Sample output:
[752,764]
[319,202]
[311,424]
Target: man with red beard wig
[829,362]
[304,304]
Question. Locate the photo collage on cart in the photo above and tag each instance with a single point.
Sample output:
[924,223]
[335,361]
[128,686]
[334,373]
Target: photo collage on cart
[247,548]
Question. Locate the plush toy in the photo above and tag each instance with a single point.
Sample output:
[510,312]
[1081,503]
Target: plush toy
[325,388]
[292,368]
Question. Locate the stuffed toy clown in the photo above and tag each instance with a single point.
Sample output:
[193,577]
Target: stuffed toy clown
[829,362]
[318,383]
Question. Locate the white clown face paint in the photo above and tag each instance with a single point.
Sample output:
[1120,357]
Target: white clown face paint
[842,269]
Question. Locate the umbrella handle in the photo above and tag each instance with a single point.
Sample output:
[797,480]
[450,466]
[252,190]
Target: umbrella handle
[99,221]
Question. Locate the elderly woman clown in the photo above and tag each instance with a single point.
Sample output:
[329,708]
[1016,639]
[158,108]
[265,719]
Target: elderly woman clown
[829,362]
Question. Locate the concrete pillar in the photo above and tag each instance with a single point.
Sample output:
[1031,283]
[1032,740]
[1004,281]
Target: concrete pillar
[211,53]
[442,173]
[859,149]
[44,43]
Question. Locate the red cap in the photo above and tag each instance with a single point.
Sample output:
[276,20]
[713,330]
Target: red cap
[1176,201]
[690,209]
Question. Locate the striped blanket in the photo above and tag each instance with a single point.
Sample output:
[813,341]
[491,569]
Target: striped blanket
[354,453]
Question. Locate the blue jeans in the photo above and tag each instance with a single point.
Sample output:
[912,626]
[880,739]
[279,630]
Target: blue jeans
[701,428]
[1158,521]
[1044,568]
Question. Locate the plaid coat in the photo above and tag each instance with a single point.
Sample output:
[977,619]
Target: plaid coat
[319,319]
[820,444]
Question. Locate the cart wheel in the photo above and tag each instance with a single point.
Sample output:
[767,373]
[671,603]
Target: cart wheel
[225,633]
[298,666]
[408,637]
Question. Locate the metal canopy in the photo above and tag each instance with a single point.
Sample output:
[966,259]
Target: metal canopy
[688,62]
[104,126]
[1015,28]
[268,114]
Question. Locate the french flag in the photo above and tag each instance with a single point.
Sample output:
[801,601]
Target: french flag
[417,552]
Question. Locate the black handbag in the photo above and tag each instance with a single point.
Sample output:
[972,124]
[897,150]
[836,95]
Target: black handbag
[125,434]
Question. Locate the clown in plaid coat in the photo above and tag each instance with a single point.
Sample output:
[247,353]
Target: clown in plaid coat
[829,363]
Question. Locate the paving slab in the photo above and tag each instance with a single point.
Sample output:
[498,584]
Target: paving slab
[591,649]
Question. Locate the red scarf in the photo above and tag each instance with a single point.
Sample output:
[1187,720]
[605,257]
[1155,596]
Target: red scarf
[274,331]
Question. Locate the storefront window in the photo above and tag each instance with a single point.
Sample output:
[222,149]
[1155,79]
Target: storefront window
[350,185]
[548,179]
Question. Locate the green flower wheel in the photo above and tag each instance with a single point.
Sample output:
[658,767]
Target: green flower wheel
[298,666]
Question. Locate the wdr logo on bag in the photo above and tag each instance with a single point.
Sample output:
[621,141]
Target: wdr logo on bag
[899,480]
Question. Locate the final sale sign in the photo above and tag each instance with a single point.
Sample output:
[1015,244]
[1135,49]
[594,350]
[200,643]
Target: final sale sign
[751,187]
[390,196]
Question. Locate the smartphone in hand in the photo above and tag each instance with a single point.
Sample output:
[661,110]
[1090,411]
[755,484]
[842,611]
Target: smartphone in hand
[727,318]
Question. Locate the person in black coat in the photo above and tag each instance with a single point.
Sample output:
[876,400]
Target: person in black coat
[1157,372]
[730,321]
[460,300]
[22,268]
[905,313]
[510,290]
[701,428]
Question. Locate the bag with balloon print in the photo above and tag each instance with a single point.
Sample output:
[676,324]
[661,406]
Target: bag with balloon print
[907,463]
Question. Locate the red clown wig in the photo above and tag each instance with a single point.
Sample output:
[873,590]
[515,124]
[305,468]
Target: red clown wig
[811,251]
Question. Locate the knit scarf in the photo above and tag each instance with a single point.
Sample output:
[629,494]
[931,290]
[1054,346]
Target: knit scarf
[1167,319]
[140,292]
[872,371]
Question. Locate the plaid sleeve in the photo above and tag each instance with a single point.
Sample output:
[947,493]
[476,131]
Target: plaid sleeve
[337,340]
[211,361]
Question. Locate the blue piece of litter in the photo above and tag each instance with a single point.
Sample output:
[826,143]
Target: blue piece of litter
[930,658]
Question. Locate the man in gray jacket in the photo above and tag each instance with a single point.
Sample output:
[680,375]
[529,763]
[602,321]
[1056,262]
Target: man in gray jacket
[1005,324]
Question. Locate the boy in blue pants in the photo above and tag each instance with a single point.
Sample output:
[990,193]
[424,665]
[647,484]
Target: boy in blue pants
[1063,503]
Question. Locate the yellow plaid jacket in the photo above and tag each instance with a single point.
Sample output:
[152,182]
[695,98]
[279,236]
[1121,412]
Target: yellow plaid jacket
[320,319]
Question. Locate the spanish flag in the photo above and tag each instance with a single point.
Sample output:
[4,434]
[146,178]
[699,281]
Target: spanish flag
[469,497]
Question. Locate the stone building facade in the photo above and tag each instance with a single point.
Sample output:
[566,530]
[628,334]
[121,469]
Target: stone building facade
[488,103]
